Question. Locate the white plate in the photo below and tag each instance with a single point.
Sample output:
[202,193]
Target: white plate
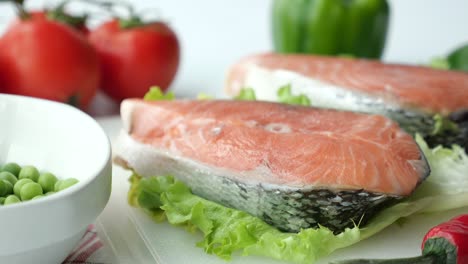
[135,238]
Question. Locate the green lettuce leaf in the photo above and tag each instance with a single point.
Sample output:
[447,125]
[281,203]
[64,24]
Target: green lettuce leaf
[443,124]
[439,63]
[227,230]
[246,94]
[448,182]
[155,94]
[285,96]
[204,96]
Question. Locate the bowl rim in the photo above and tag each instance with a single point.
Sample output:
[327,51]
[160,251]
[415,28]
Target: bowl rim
[104,162]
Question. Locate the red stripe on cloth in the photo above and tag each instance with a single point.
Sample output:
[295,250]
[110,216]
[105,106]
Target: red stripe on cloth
[92,235]
[88,252]
[90,228]
[82,245]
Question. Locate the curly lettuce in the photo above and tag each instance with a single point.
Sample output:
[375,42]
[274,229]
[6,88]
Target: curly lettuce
[156,94]
[439,63]
[448,182]
[285,96]
[443,124]
[226,230]
[246,94]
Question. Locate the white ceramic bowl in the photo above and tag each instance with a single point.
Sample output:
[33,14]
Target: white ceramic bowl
[65,141]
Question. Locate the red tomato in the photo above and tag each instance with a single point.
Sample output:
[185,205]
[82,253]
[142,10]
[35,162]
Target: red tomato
[50,60]
[134,59]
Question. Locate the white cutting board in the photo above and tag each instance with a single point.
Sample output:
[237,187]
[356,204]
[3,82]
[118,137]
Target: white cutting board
[135,238]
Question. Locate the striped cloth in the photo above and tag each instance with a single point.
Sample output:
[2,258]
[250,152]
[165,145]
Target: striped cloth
[90,250]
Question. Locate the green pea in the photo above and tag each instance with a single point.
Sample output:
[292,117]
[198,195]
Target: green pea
[29,172]
[49,193]
[47,181]
[6,188]
[19,184]
[5,175]
[9,187]
[57,185]
[2,200]
[12,167]
[11,199]
[38,197]
[63,184]
[30,190]
[3,188]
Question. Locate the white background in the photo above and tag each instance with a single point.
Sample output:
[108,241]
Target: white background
[216,33]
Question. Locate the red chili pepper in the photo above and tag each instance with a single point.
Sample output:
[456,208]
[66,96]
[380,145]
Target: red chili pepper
[449,238]
[446,243]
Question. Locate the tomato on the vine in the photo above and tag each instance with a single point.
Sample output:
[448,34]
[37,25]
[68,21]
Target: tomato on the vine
[135,56]
[48,59]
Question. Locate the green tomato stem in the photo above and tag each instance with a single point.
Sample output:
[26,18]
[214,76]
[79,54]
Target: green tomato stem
[22,14]
[109,6]
[59,14]
[427,259]
[130,23]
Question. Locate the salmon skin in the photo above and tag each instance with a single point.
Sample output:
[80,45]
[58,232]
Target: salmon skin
[295,167]
[407,94]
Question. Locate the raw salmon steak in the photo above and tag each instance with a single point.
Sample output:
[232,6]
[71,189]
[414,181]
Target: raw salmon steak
[410,95]
[295,167]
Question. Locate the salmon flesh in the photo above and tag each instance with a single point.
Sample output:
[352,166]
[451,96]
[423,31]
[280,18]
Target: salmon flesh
[410,95]
[294,167]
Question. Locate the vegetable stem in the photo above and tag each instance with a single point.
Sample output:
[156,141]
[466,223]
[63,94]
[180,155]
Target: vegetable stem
[427,259]
[22,14]
[130,23]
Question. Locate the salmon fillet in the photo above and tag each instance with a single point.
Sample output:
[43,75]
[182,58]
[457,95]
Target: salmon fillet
[410,95]
[227,151]
[434,91]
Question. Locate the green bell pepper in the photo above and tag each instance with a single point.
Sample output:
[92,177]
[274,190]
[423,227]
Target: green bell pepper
[331,27]
[458,59]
